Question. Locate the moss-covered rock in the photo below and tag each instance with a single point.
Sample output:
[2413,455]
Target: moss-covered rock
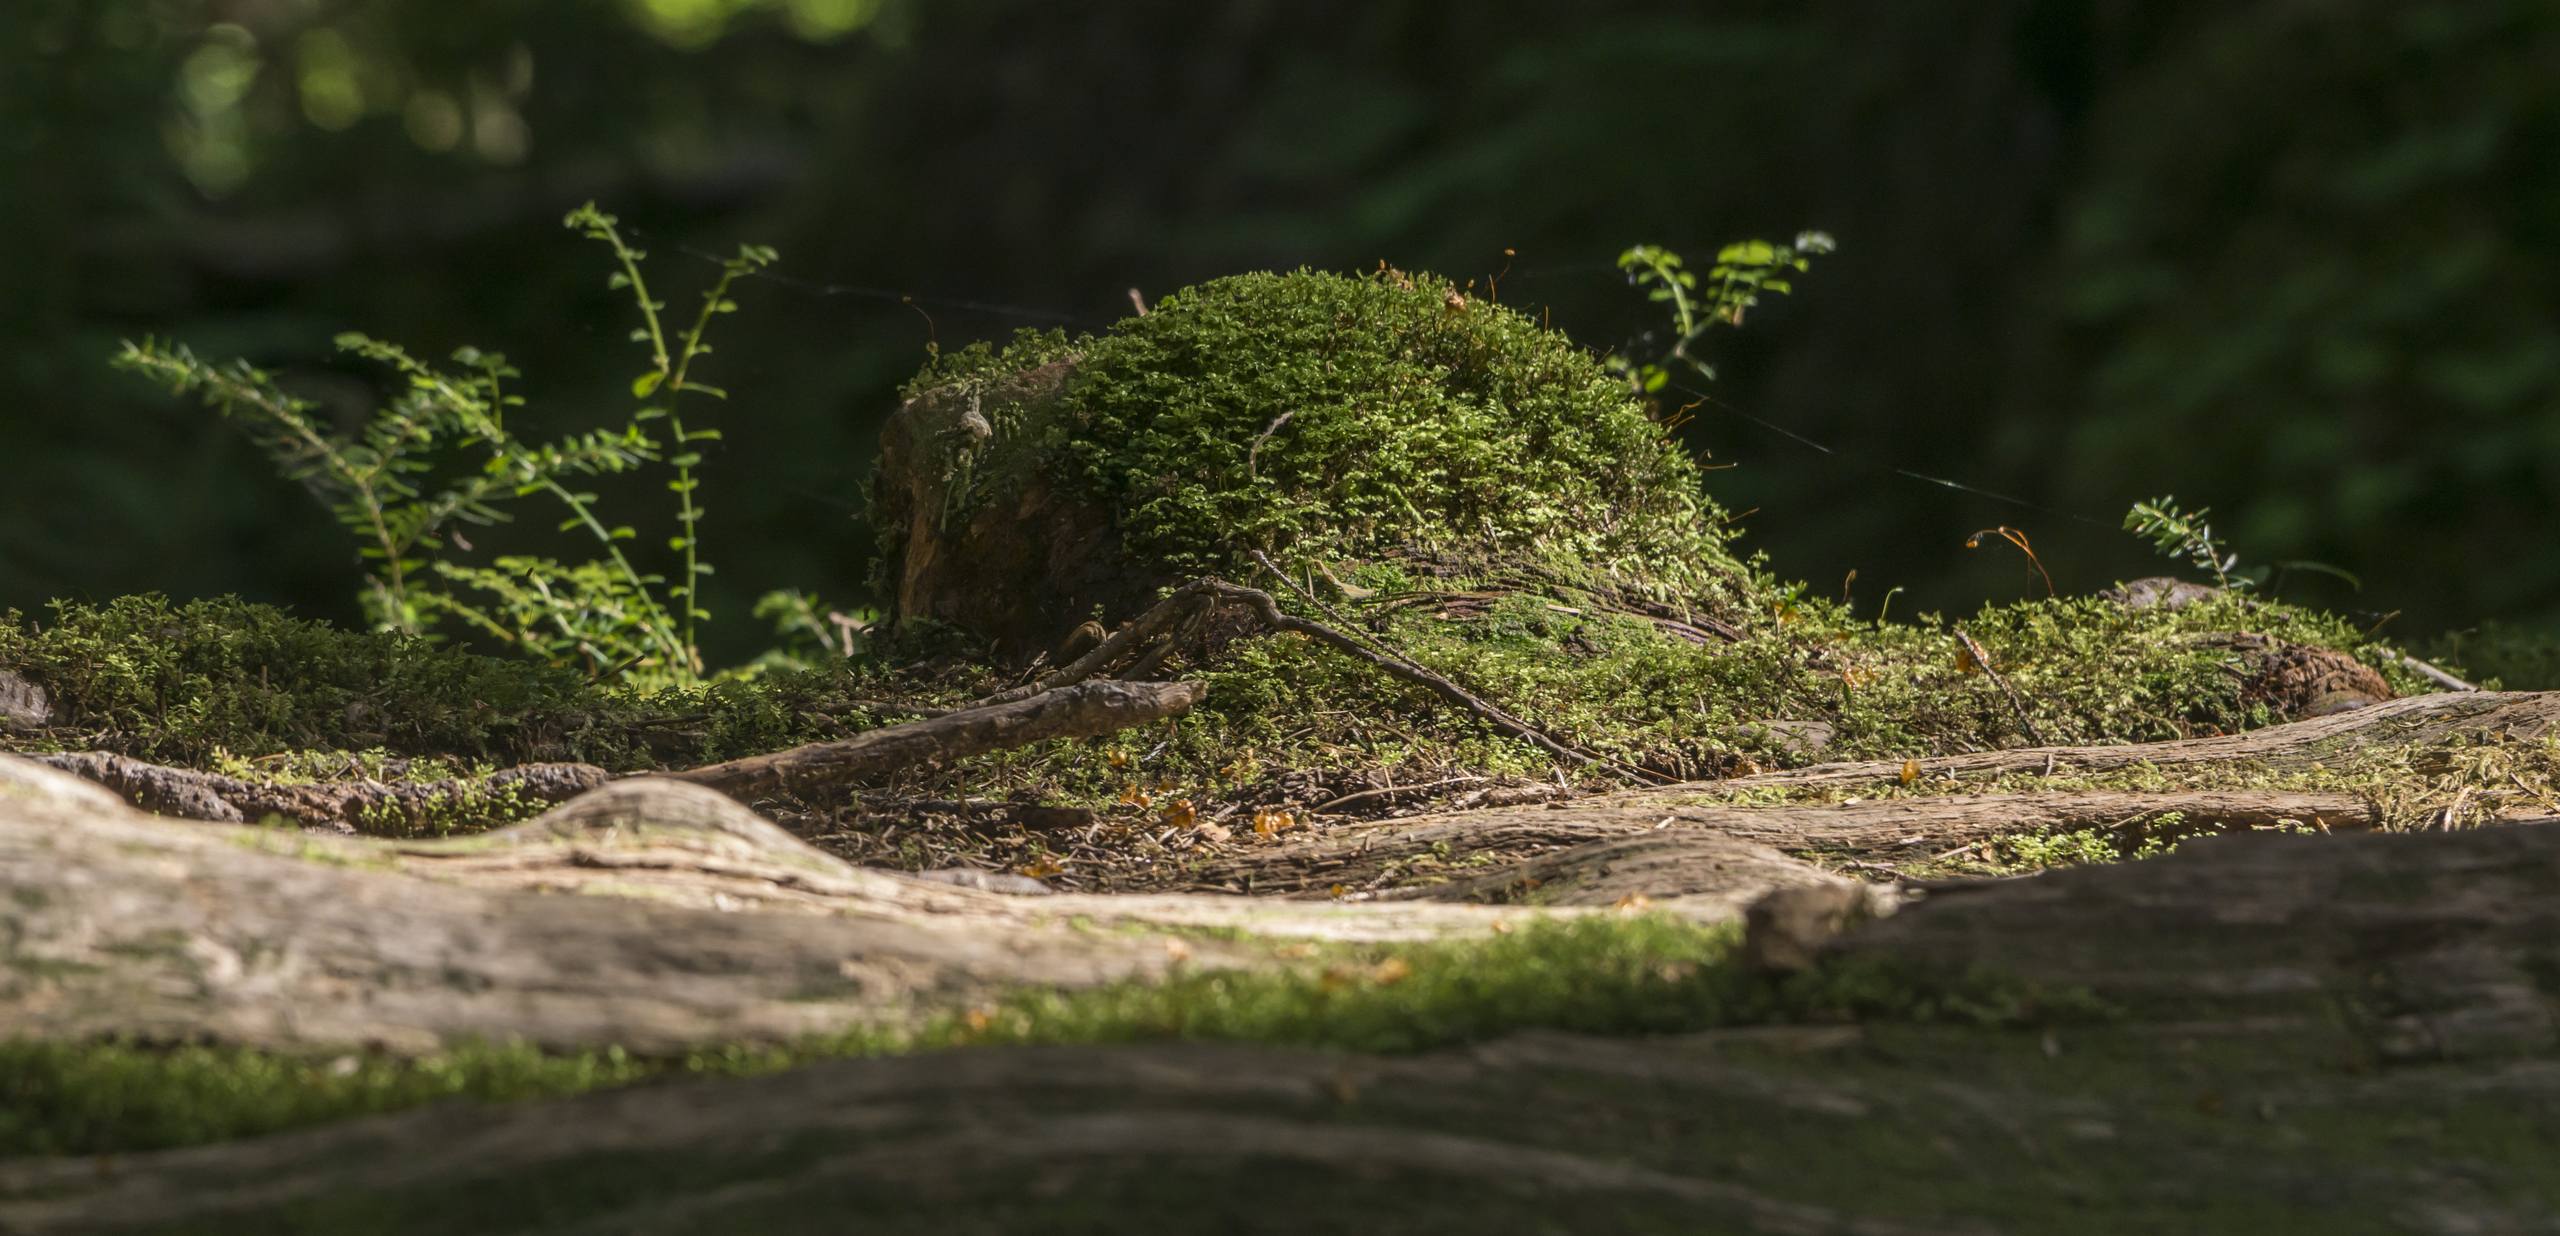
[1317,418]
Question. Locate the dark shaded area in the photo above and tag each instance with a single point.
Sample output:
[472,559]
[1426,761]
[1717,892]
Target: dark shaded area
[2296,263]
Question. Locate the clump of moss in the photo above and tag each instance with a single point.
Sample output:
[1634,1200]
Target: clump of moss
[205,681]
[1340,418]
[180,682]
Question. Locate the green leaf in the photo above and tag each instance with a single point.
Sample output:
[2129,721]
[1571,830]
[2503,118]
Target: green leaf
[647,384]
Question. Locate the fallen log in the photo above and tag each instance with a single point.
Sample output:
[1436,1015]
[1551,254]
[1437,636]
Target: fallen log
[698,923]
[2342,1033]
[2391,947]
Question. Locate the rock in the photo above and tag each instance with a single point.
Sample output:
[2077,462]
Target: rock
[23,704]
[2163,591]
[1801,739]
[1791,928]
[987,881]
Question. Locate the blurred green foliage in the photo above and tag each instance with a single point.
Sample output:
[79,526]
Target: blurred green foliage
[2292,262]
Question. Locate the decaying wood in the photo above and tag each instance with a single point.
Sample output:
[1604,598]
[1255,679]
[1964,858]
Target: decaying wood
[700,923]
[2299,1023]
[1081,710]
[2407,945]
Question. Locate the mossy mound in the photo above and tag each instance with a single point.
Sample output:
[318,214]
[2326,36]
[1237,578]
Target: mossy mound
[1316,418]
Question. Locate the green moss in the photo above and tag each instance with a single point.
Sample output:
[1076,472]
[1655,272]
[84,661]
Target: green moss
[168,681]
[1323,416]
[221,681]
[1598,974]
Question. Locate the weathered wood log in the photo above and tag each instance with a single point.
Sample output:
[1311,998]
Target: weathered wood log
[2391,946]
[2350,1033]
[701,923]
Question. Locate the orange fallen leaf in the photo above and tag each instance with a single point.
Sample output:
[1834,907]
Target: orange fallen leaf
[1392,970]
[1042,868]
[1632,903]
[1910,772]
[1181,813]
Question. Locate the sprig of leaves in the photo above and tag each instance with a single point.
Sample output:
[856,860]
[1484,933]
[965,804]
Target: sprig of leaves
[2185,535]
[1742,272]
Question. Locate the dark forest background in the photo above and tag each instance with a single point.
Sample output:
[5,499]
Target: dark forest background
[2296,260]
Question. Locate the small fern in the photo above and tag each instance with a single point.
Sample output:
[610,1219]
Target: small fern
[396,484]
[2185,535]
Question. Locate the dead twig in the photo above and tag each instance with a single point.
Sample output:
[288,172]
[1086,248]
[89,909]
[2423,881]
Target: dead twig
[1080,711]
[1400,666]
[1983,659]
[1390,791]
[2429,671]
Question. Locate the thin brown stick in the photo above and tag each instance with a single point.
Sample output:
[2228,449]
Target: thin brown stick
[2432,673]
[1983,659]
[1079,711]
[1389,791]
[1400,666]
